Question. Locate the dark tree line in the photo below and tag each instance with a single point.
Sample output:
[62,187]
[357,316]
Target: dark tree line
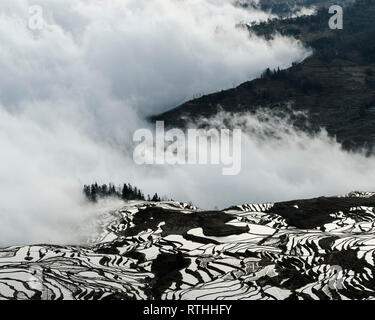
[305,84]
[94,192]
[274,74]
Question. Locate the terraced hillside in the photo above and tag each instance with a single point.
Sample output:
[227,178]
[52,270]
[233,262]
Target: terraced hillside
[321,248]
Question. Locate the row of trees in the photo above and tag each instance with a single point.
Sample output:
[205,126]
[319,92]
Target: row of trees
[94,192]
[274,74]
[306,84]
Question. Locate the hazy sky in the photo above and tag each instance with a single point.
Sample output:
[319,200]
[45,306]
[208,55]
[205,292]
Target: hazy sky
[72,94]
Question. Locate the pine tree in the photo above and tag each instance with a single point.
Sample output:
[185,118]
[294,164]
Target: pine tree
[155,198]
[125,192]
[94,192]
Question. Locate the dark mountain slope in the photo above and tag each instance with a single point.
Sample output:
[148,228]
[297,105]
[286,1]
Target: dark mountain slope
[336,85]
[285,8]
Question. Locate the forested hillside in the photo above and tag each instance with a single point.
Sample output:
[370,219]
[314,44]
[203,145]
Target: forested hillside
[336,85]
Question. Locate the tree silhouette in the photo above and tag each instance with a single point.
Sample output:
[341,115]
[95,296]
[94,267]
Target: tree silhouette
[94,192]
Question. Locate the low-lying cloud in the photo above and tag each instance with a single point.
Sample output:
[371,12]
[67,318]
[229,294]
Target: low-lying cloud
[72,94]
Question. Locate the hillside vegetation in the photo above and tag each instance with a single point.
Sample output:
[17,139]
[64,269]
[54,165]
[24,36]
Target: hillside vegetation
[336,85]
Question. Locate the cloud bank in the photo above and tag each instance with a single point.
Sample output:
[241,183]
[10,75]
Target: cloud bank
[72,94]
